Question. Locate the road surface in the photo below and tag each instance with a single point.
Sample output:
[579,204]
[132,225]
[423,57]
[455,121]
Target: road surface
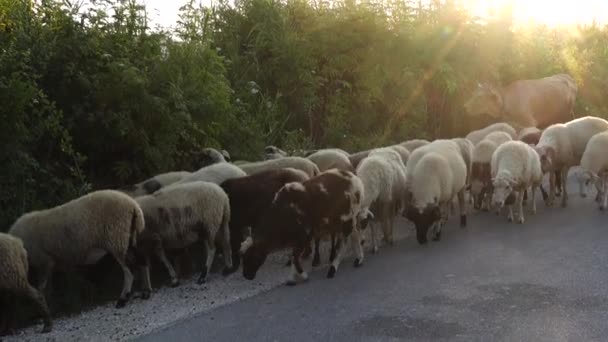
[546,280]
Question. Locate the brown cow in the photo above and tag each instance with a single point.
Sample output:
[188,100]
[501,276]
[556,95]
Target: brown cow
[539,102]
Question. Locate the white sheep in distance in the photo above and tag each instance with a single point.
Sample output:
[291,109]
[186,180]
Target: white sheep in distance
[434,179]
[414,144]
[478,135]
[155,183]
[14,269]
[81,232]
[331,159]
[499,137]
[403,152]
[383,176]
[529,135]
[179,216]
[515,168]
[594,167]
[561,146]
[298,163]
[216,173]
[273,152]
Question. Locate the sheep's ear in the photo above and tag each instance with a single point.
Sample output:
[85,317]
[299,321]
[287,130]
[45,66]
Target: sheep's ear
[245,245]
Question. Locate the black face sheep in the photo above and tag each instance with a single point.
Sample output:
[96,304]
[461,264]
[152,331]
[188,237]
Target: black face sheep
[179,216]
[82,231]
[13,276]
[155,183]
[208,156]
[250,197]
[328,203]
[273,152]
[434,179]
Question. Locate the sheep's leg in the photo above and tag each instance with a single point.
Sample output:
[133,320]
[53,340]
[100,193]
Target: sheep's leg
[316,259]
[333,268]
[564,176]
[559,184]
[297,272]
[533,191]
[236,238]
[128,281]
[332,254]
[551,200]
[604,195]
[142,260]
[374,237]
[45,274]
[160,253]
[520,201]
[226,248]
[510,216]
[38,299]
[355,237]
[384,221]
[463,209]
[209,248]
[8,305]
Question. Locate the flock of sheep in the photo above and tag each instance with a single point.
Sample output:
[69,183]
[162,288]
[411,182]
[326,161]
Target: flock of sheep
[244,211]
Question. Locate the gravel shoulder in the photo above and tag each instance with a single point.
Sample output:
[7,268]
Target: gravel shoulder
[168,306]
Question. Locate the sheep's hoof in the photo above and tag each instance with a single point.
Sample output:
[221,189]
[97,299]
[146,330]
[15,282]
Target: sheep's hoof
[332,272]
[288,263]
[47,328]
[228,271]
[510,218]
[520,220]
[437,236]
[175,283]
[362,242]
[291,282]
[358,262]
[145,294]
[463,221]
[375,250]
[121,303]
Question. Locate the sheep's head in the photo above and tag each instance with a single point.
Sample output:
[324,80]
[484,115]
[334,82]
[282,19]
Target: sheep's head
[254,255]
[423,219]
[207,156]
[364,218]
[547,158]
[486,100]
[585,179]
[503,187]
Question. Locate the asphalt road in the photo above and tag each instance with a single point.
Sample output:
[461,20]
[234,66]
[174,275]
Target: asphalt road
[545,280]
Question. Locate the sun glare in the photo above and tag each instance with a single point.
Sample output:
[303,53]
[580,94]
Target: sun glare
[547,12]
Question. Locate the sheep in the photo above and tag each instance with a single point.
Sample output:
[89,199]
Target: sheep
[155,183]
[414,144]
[515,168]
[82,231]
[529,135]
[478,135]
[294,162]
[307,153]
[561,146]
[329,159]
[498,137]
[481,175]
[436,173]
[594,167]
[403,152]
[356,158]
[216,173]
[273,152]
[383,176]
[226,156]
[13,276]
[179,216]
[327,203]
[209,156]
[249,197]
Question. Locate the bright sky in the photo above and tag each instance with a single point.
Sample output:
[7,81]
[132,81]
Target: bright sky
[549,12]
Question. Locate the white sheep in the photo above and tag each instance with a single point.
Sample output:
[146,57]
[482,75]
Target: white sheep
[14,269]
[216,173]
[594,167]
[330,159]
[529,135]
[155,183]
[82,231]
[498,137]
[478,135]
[179,216]
[561,146]
[209,156]
[515,168]
[414,144]
[481,175]
[383,176]
[273,152]
[436,174]
[404,153]
[298,163]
